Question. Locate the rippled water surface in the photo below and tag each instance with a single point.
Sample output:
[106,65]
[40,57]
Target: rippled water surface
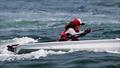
[25,21]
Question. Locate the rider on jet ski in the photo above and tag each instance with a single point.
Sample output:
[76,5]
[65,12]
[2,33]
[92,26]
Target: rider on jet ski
[72,31]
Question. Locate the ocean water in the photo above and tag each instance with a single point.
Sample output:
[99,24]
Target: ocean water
[26,21]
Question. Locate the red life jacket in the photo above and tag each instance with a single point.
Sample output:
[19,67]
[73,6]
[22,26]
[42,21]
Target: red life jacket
[64,36]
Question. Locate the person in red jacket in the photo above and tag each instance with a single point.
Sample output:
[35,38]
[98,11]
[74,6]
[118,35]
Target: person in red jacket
[72,31]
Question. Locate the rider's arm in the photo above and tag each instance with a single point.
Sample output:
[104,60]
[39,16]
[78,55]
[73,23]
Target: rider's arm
[72,32]
[84,32]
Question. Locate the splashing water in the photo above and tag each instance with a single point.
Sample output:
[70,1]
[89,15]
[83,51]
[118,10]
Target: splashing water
[33,55]
[6,55]
[23,40]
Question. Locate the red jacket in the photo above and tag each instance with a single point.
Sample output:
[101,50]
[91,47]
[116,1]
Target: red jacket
[66,37]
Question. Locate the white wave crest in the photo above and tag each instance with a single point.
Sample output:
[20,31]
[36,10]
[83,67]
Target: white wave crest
[33,55]
[39,54]
[23,40]
[115,52]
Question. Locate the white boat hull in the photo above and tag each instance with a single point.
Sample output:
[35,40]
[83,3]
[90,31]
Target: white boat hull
[101,45]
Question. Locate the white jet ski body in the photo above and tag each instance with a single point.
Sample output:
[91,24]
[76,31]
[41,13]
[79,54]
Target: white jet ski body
[101,45]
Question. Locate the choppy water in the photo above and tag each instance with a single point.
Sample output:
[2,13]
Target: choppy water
[25,21]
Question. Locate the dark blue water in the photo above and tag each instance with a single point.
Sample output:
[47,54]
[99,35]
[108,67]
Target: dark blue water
[24,21]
